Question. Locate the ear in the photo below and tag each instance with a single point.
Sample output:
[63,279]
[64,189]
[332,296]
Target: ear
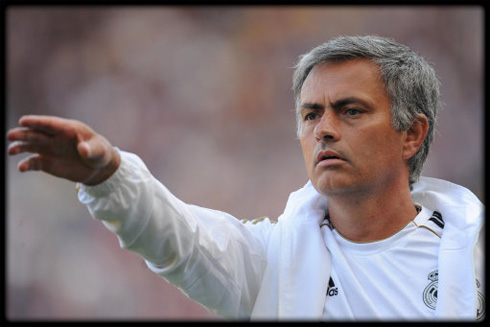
[415,136]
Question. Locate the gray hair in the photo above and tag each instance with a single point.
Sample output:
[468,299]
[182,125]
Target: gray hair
[411,83]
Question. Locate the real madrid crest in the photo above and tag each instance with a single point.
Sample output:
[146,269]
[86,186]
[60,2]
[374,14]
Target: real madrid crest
[480,308]
[430,295]
[430,291]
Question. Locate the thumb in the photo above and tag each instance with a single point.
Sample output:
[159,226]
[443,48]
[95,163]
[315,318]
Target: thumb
[94,152]
[84,150]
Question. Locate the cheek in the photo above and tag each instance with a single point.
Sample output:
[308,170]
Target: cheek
[381,149]
[308,151]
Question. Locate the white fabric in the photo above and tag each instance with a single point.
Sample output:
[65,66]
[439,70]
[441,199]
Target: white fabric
[211,256]
[460,259]
[296,260]
[388,277]
[266,270]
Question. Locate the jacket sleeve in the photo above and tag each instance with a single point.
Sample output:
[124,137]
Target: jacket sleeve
[211,256]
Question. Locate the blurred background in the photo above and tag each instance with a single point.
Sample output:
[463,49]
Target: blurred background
[203,96]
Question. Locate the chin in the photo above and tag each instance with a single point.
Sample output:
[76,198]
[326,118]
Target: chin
[329,186]
[336,184]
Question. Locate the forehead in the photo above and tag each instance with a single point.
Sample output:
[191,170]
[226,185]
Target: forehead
[360,75]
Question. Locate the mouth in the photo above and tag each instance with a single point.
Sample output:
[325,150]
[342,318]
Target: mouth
[328,156]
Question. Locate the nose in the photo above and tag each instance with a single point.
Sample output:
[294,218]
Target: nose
[327,128]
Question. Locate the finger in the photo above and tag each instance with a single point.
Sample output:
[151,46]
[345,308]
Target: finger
[12,134]
[56,167]
[32,163]
[14,148]
[16,133]
[41,163]
[47,124]
[21,147]
[38,163]
[27,134]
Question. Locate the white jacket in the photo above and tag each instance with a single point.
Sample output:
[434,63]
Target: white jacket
[267,270]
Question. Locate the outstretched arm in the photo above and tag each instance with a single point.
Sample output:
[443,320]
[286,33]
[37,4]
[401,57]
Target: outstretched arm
[64,148]
[210,255]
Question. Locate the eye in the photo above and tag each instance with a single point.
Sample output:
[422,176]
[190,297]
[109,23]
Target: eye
[310,116]
[353,112]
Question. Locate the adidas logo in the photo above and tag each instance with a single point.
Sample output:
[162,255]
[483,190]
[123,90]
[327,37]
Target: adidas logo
[332,290]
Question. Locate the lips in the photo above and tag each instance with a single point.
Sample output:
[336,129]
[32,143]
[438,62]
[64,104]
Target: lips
[328,155]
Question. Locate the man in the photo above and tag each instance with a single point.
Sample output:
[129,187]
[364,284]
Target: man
[364,239]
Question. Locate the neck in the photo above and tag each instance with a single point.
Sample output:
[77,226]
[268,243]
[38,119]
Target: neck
[371,217]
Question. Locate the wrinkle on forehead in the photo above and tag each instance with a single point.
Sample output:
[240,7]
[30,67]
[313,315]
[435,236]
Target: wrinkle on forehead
[329,82]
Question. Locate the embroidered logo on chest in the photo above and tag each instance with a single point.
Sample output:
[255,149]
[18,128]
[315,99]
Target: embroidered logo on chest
[430,295]
[480,307]
[430,291]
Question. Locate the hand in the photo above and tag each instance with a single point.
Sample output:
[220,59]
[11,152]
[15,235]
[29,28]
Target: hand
[63,148]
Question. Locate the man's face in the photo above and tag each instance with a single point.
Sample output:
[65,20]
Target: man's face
[348,142]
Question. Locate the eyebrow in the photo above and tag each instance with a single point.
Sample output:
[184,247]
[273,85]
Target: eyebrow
[336,105]
[315,106]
